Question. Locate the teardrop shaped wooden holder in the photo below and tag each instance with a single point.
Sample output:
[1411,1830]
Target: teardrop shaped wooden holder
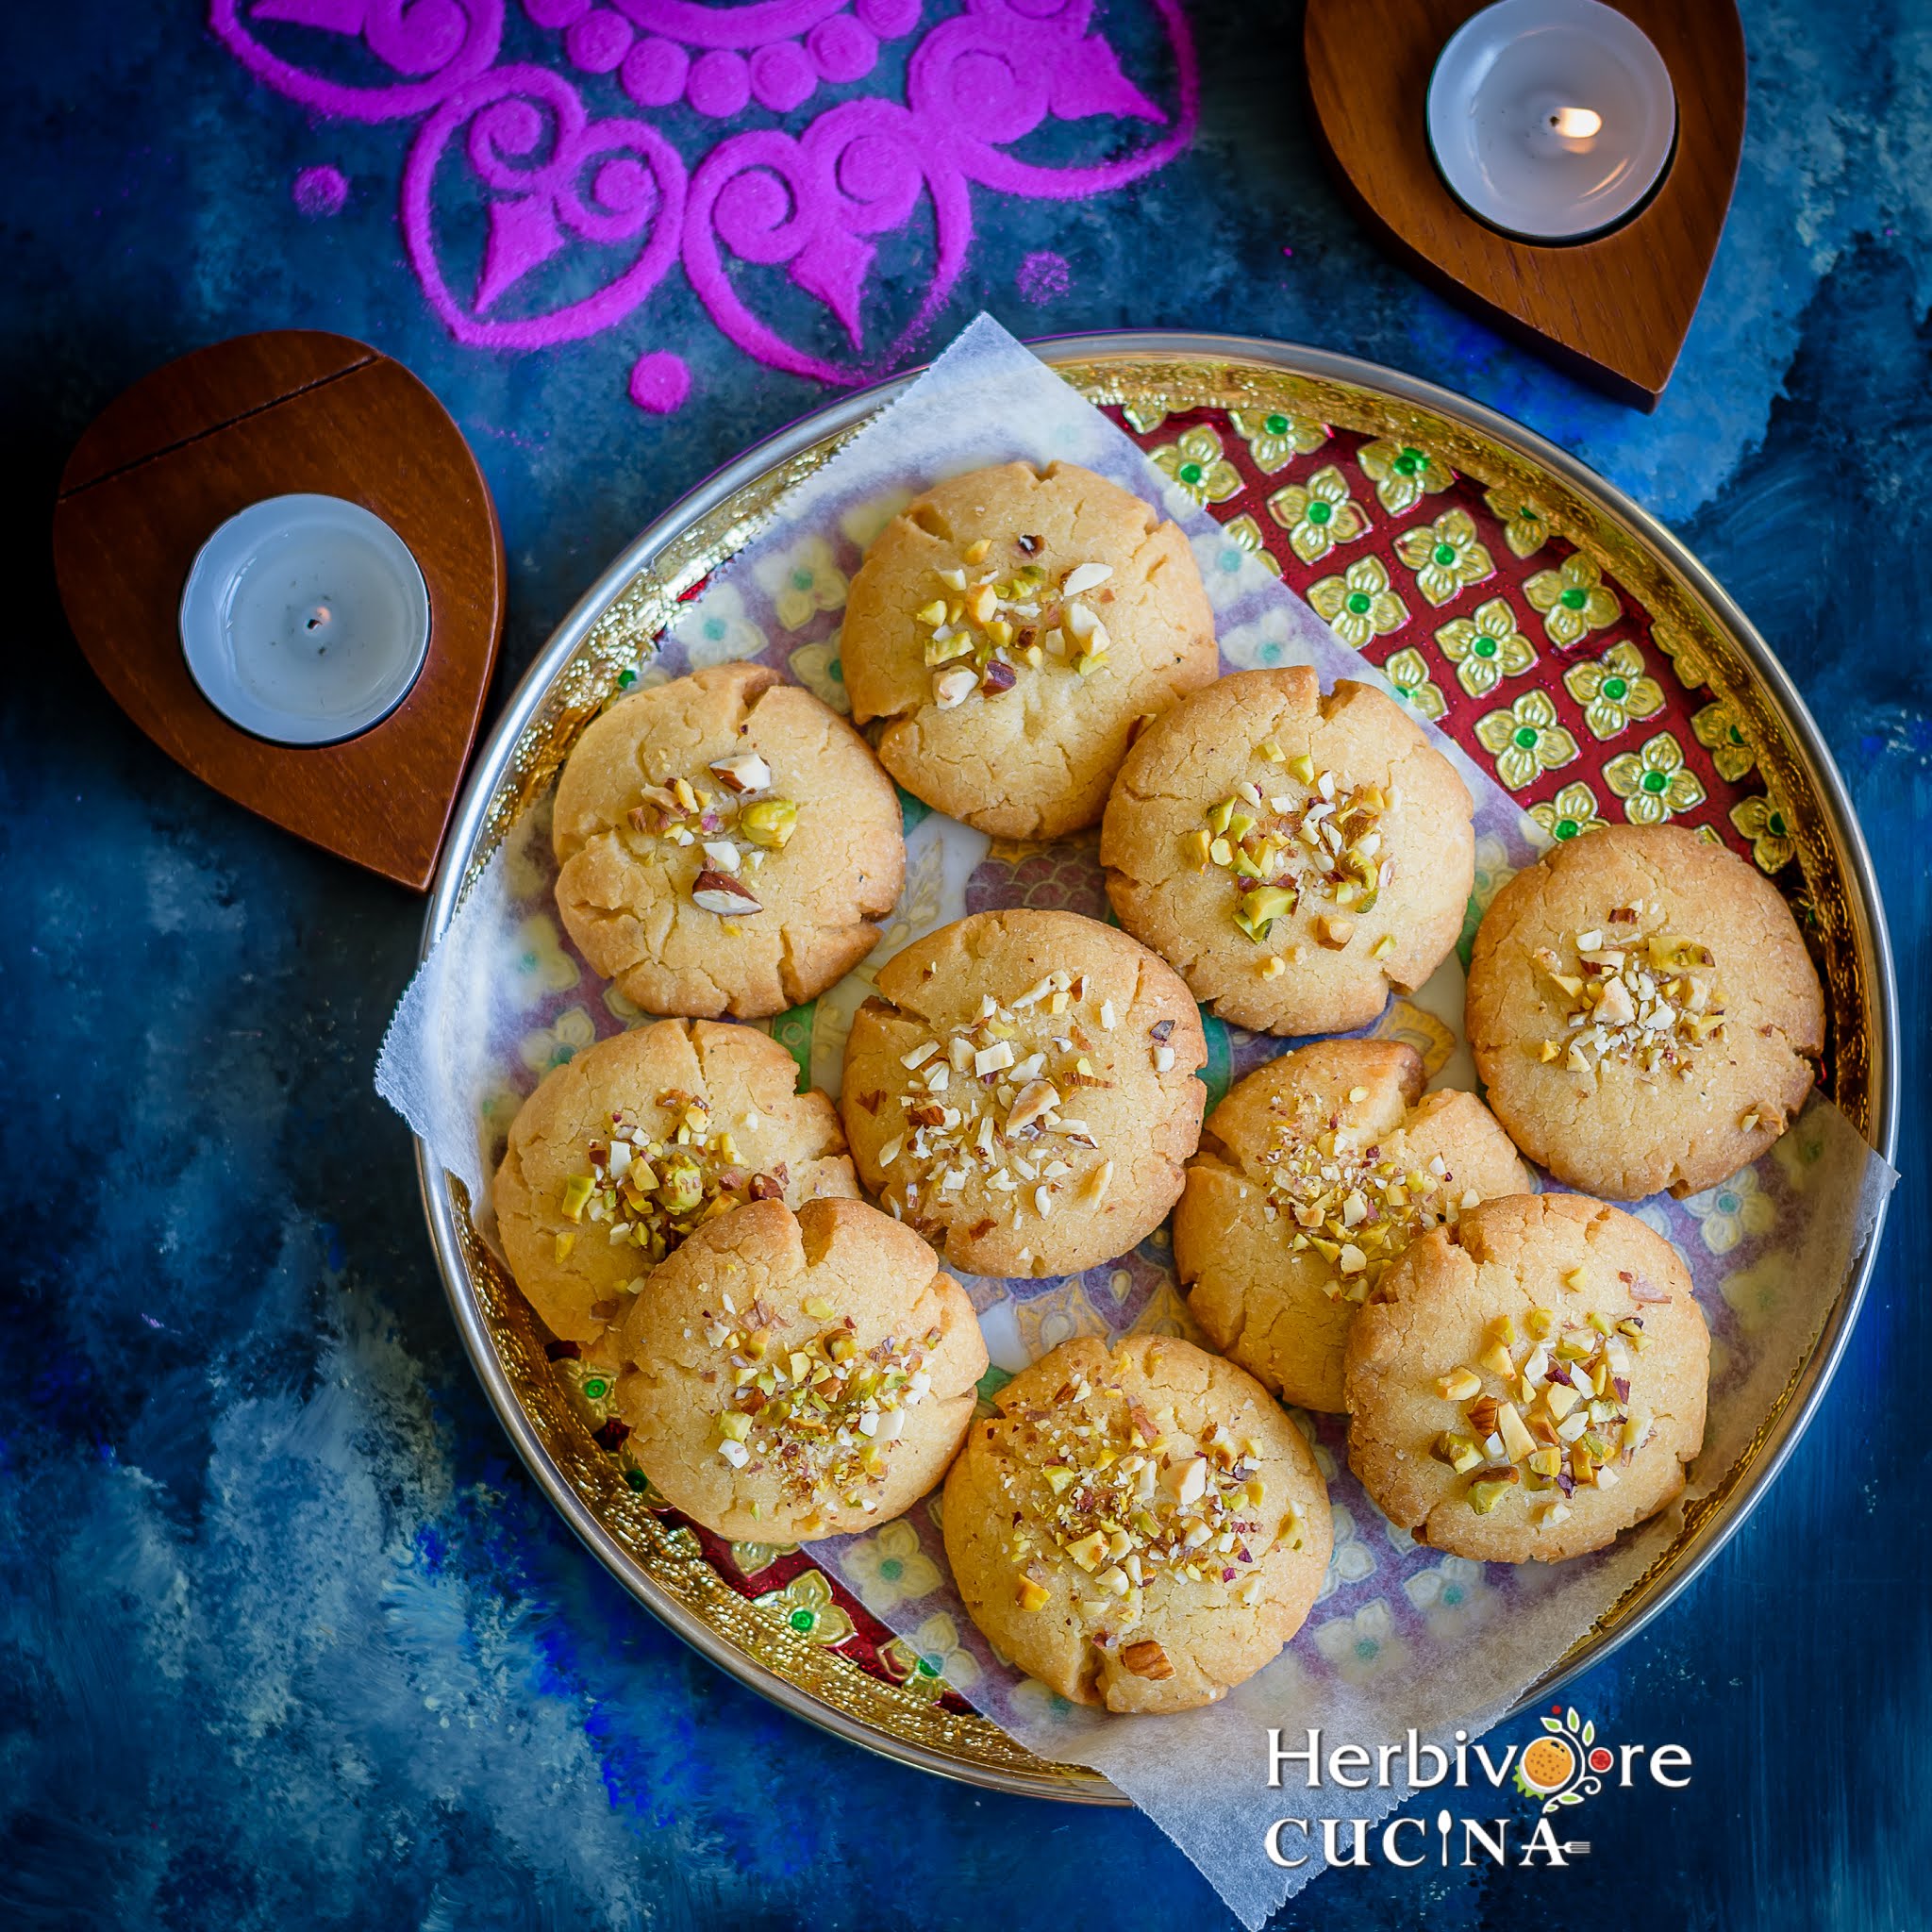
[266,415]
[1614,309]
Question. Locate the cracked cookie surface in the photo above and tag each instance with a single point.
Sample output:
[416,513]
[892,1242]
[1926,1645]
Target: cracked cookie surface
[1643,1012]
[1140,1526]
[1293,854]
[727,844]
[1011,630]
[1314,1174]
[1529,1384]
[630,1144]
[799,1375]
[1022,1090]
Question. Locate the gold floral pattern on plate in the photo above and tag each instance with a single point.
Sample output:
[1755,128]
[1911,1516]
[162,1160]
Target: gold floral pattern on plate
[1276,437]
[1690,659]
[1486,647]
[753,1559]
[1360,604]
[817,666]
[1408,671]
[1769,829]
[1525,741]
[1526,523]
[1318,514]
[544,1047]
[1719,727]
[1197,464]
[1403,474]
[1654,783]
[891,1569]
[1613,689]
[805,1607]
[932,1660]
[1571,813]
[802,581]
[1573,599]
[1446,555]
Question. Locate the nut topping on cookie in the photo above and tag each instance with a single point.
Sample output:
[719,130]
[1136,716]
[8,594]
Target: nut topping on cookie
[651,1192]
[1350,1202]
[1120,1493]
[745,771]
[1564,1417]
[685,814]
[718,892]
[987,1097]
[824,1416]
[981,629]
[1650,1000]
[1283,848]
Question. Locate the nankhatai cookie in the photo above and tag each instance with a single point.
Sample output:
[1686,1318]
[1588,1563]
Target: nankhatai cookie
[1294,855]
[1314,1174]
[1643,1012]
[632,1143]
[1529,1384]
[1022,1090]
[1010,631]
[1140,1526]
[726,843]
[799,1375]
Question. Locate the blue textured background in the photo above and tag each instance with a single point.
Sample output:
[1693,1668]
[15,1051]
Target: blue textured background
[285,1639]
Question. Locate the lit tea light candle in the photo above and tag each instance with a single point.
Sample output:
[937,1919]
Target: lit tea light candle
[305,619]
[1551,120]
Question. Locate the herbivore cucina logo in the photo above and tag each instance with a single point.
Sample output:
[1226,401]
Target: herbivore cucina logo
[1562,1768]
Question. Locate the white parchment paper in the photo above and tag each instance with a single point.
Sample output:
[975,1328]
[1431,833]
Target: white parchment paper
[1400,1637]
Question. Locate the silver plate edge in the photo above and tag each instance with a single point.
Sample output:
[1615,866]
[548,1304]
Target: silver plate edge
[1322,365]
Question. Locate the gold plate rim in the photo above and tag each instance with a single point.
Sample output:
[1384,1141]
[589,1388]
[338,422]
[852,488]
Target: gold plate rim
[1212,369]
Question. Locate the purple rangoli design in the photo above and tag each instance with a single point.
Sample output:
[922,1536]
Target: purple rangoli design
[544,199]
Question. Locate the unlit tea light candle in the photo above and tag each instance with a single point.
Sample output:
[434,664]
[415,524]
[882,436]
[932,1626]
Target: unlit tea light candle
[305,619]
[1551,120]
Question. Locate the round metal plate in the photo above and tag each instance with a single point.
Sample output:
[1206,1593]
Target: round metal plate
[625,608]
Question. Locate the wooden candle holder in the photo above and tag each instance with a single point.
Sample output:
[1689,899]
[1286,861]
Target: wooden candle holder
[269,415]
[1613,310]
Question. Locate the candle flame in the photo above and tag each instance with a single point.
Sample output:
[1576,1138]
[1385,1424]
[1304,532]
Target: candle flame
[1576,124]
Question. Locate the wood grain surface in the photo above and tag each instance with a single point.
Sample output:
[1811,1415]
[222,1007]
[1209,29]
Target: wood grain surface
[267,415]
[1614,310]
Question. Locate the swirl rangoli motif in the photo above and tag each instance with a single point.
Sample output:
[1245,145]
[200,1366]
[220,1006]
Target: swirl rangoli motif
[811,165]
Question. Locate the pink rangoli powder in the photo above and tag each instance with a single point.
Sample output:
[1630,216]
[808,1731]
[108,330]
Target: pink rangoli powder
[573,160]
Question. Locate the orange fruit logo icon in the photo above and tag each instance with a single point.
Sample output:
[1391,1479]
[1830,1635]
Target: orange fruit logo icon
[1548,1764]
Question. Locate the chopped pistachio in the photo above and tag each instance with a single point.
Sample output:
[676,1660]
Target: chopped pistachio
[769,823]
[1261,906]
[1490,1486]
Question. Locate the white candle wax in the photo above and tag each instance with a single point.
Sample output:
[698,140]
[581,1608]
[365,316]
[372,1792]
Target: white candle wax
[1551,120]
[305,619]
